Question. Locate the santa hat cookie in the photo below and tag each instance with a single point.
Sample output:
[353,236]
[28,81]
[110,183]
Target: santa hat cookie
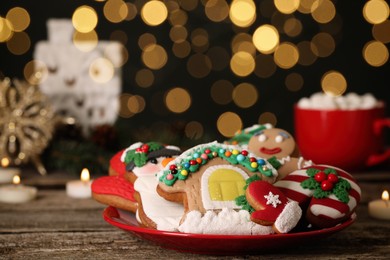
[271,207]
[330,194]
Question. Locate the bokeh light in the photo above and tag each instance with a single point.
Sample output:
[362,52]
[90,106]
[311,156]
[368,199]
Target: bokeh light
[286,55]
[245,95]
[199,65]
[6,30]
[85,41]
[178,100]
[222,92]
[286,6]
[115,11]
[333,83]
[381,32]
[266,38]
[242,64]
[323,44]
[229,123]
[101,70]
[154,56]
[84,19]
[217,10]
[323,11]
[242,12]
[19,43]
[144,78]
[375,53]
[376,11]
[154,13]
[194,130]
[135,104]
[268,118]
[35,72]
[19,18]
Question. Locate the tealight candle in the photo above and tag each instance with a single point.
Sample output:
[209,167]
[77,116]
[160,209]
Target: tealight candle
[7,173]
[380,208]
[80,188]
[17,193]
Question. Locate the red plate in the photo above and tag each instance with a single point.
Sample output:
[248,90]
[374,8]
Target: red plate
[217,244]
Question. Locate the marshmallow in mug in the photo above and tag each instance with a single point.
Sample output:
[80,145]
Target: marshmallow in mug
[350,101]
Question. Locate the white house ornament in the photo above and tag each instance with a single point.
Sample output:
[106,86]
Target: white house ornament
[26,123]
[81,79]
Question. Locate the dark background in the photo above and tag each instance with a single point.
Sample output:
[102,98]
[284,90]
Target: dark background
[273,95]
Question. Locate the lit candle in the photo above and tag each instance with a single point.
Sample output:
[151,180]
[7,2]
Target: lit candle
[80,188]
[7,173]
[17,193]
[380,208]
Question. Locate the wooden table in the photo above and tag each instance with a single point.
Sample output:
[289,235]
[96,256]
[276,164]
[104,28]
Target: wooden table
[56,226]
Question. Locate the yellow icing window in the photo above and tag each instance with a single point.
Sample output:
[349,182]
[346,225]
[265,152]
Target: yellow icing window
[225,185]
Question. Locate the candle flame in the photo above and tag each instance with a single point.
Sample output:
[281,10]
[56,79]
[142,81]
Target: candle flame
[16,179]
[385,195]
[85,175]
[4,162]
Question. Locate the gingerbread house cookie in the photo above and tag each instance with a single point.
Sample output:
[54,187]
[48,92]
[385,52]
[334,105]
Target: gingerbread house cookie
[207,179]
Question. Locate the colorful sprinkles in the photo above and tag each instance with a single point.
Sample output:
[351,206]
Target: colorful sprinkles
[202,154]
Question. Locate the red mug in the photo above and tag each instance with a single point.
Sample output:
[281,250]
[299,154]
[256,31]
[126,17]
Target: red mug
[349,139]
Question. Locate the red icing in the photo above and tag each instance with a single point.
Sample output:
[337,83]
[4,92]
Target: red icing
[270,151]
[116,164]
[258,190]
[114,185]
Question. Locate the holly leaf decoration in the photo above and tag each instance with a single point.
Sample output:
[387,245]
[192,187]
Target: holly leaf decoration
[310,184]
[311,172]
[139,159]
[242,201]
[153,146]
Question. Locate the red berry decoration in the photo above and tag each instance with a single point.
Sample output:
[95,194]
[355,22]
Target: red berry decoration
[244,152]
[193,162]
[172,167]
[333,178]
[326,185]
[145,148]
[320,176]
[252,159]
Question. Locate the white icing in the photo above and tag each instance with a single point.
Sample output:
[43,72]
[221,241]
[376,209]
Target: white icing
[284,160]
[295,186]
[350,101]
[212,204]
[165,214]
[131,147]
[289,217]
[149,168]
[226,222]
[317,209]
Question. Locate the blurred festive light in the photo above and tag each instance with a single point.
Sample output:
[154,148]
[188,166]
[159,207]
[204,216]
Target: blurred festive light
[136,104]
[222,92]
[375,53]
[177,100]
[242,64]
[323,11]
[199,40]
[178,33]
[154,56]
[85,41]
[178,17]
[333,83]
[265,66]
[219,58]
[6,30]
[294,82]
[188,5]
[229,123]
[287,6]
[292,27]
[323,44]
[84,19]
[124,111]
[242,12]
[119,36]
[266,38]
[286,55]
[115,11]
[268,118]
[19,43]
[194,130]
[145,40]
[376,11]
[19,18]
[199,65]
[182,49]
[154,13]
[245,95]
[381,32]
[217,10]
[306,6]
[101,70]
[307,53]
[35,72]
[144,78]
[131,11]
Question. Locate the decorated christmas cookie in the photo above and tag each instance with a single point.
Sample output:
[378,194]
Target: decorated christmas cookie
[143,161]
[115,191]
[243,136]
[271,207]
[278,143]
[208,178]
[328,194]
[117,166]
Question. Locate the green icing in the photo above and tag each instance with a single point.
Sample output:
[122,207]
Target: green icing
[140,156]
[241,200]
[340,188]
[201,155]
